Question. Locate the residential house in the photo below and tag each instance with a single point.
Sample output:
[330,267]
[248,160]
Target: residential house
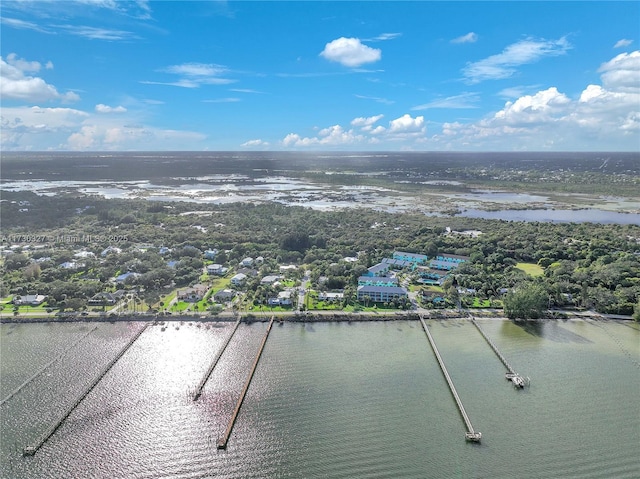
[330,297]
[247,262]
[381,294]
[452,258]
[377,281]
[193,294]
[443,265]
[431,276]
[380,269]
[211,254]
[216,269]
[104,299]
[224,295]
[413,258]
[29,300]
[110,250]
[71,265]
[270,279]
[398,263]
[283,299]
[239,279]
[125,276]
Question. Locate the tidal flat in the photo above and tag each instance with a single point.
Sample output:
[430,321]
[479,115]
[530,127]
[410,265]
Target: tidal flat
[556,186]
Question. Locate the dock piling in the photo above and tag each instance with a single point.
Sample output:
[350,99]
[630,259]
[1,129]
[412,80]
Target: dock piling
[517,380]
[30,450]
[471,434]
[222,442]
[205,378]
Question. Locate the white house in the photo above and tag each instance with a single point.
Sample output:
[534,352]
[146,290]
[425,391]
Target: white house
[217,269]
[29,299]
[283,299]
[239,279]
[247,262]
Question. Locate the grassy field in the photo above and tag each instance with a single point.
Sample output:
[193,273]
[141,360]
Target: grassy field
[531,269]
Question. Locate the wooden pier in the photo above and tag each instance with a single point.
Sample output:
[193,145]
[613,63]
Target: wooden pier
[205,378]
[471,434]
[46,366]
[517,380]
[30,450]
[222,442]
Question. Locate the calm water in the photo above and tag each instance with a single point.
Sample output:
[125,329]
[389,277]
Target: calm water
[330,400]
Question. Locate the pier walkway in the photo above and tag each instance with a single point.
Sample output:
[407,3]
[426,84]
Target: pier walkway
[46,366]
[222,442]
[30,450]
[471,434]
[514,377]
[205,378]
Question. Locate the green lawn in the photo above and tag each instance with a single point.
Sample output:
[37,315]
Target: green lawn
[531,269]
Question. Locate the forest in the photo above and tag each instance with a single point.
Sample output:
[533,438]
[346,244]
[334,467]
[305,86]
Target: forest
[582,265]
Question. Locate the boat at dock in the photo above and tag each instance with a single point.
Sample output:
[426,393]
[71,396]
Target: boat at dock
[517,380]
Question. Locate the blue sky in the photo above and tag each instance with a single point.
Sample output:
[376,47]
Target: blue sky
[216,75]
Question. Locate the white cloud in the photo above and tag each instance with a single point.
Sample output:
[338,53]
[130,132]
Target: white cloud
[255,144]
[407,124]
[622,73]
[223,100]
[350,52]
[100,108]
[504,65]
[16,85]
[365,121]
[470,37]
[517,91]
[543,107]
[38,128]
[94,33]
[604,116]
[23,25]
[462,101]
[405,128]
[385,101]
[194,75]
[384,37]
[332,136]
[623,43]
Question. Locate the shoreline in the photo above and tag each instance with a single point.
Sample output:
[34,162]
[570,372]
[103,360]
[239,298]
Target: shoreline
[319,317]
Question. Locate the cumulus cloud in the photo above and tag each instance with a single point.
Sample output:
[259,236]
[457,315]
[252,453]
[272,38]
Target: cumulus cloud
[406,124]
[623,43]
[100,108]
[504,65]
[16,84]
[470,37]
[331,136]
[39,128]
[622,73]
[350,52]
[549,119]
[402,128]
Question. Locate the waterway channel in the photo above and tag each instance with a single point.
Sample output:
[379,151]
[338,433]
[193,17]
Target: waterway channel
[328,400]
